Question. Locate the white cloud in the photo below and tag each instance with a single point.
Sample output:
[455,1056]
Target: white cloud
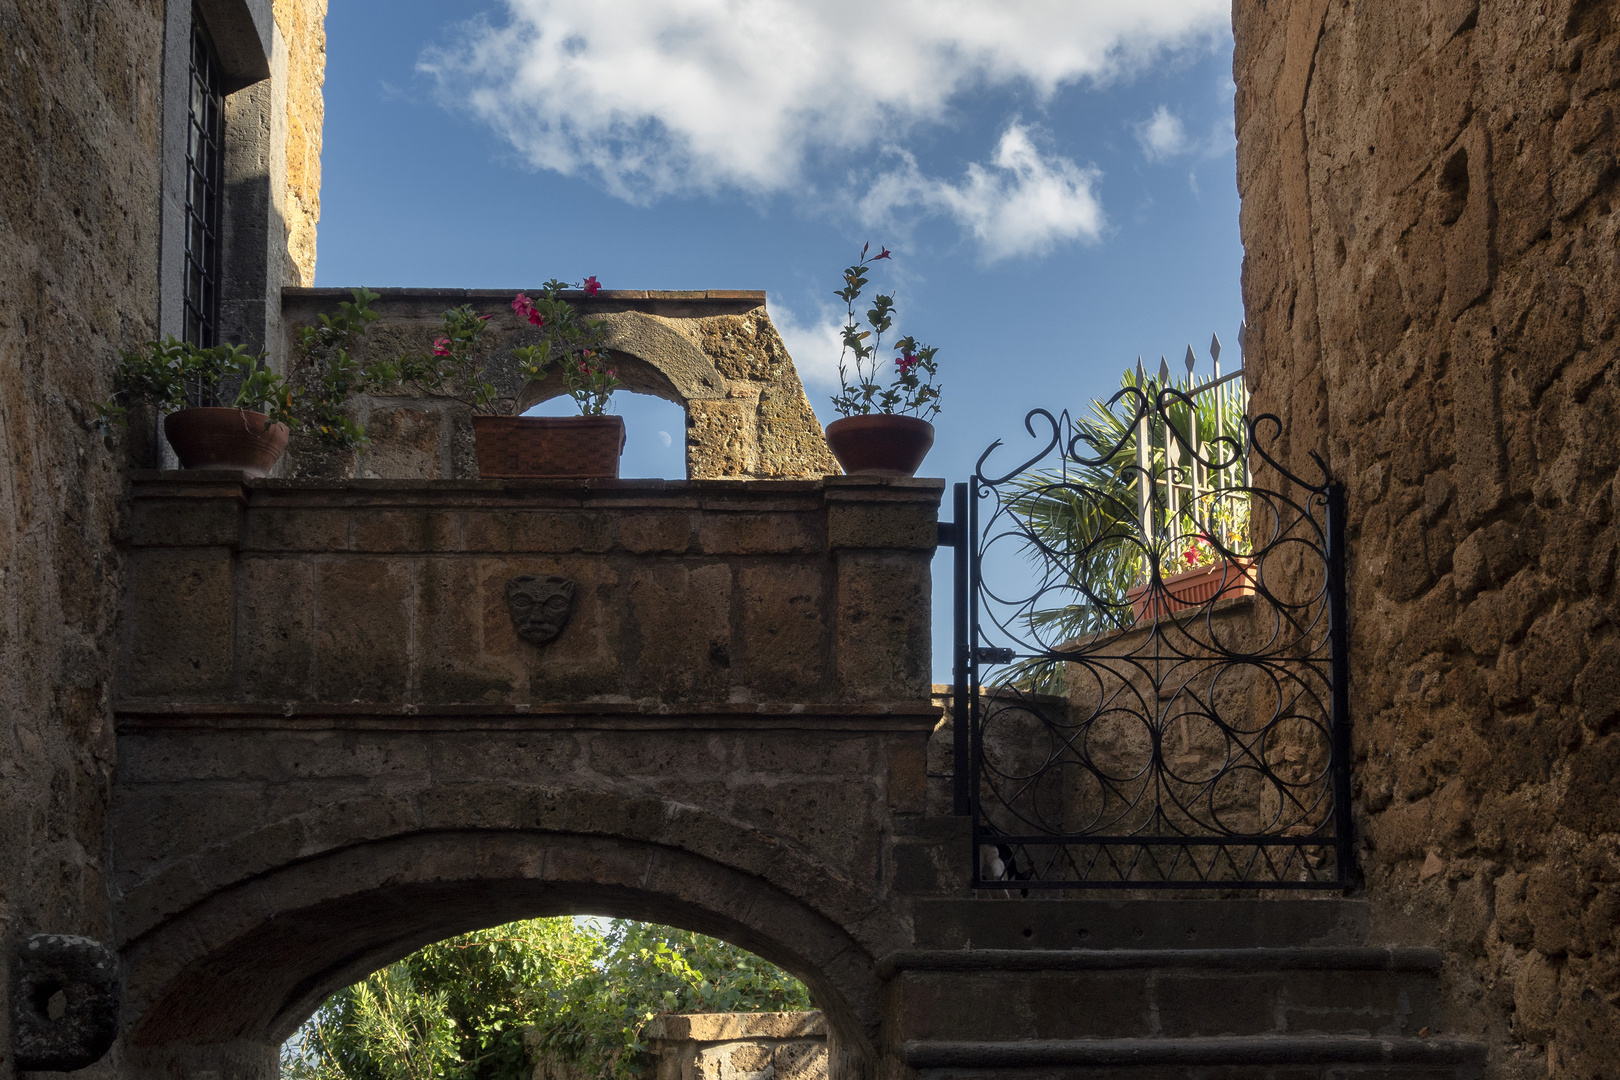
[1162,135]
[814,345]
[659,97]
[1021,203]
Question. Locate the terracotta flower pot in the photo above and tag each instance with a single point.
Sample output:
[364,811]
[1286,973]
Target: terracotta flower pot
[880,444]
[230,439]
[555,447]
[1192,588]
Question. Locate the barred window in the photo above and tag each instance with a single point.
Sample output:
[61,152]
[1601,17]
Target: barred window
[205,144]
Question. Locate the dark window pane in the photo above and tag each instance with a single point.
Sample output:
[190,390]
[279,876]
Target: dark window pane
[204,145]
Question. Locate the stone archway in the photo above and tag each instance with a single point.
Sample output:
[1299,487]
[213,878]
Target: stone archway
[245,965]
[715,354]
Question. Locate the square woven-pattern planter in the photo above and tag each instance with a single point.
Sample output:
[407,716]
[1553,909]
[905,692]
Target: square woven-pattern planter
[553,447]
[1223,580]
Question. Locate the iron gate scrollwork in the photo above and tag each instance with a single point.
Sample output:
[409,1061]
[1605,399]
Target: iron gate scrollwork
[1152,654]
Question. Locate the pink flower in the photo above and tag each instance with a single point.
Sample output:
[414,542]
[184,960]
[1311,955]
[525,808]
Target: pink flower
[536,318]
[592,286]
[1191,555]
[484,318]
[522,304]
[905,362]
[612,373]
[883,253]
[441,347]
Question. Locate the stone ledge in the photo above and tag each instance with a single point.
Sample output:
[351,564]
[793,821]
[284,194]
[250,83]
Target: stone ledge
[1302,958]
[1238,1050]
[724,1027]
[144,716]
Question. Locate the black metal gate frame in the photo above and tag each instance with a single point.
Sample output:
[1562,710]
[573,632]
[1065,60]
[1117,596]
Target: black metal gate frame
[972,658]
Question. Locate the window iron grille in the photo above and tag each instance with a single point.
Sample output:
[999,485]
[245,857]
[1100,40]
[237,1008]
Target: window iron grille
[205,145]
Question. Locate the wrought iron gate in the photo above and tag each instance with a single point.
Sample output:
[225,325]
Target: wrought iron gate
[1151,654]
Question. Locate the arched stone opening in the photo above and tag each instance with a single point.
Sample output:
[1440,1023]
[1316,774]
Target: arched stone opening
[238,971]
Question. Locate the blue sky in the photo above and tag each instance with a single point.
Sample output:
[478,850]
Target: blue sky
[1055,177]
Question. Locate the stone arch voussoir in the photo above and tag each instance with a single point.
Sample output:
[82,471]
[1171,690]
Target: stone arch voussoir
[247,961]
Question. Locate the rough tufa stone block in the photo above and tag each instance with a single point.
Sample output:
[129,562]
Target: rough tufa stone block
[65,994]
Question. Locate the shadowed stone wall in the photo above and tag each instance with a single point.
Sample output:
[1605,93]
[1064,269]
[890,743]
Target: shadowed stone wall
[78,221]
[714,353]
[81,127]
[1430,223]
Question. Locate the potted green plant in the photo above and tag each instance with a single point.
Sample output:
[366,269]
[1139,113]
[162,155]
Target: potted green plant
[883,427]
[224,408]
[571,348]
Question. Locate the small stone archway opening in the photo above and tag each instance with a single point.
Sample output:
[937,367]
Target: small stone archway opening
[223,985]
[501,968]
[655,423]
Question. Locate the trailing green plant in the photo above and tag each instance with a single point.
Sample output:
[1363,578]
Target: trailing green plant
[171,374]
[572,346]
[326,373]
[475,1007]
[569,346]
[912,390]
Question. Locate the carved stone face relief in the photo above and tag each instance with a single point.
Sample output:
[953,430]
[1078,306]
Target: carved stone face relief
[540,606]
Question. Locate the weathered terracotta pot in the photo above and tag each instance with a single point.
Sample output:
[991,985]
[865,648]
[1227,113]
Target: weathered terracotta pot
[879,444]
[229,439]
[1222,580]
[554,447]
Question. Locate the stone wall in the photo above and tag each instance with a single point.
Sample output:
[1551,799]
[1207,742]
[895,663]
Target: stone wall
[81,131]
[78,225]
[714,353]
[736,1046]
[1430,223]
[303,25]
[329,709]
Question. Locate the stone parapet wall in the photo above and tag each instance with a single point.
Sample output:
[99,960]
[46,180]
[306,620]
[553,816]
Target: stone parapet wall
[1430,220]
[714,353]
[396,592]
[737,1046]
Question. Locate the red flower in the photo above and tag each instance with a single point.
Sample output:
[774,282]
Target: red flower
[882,254]
[441,347]
[592,286]
[525,307]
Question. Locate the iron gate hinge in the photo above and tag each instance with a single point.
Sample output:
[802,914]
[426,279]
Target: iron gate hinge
[947,534]
[993,656]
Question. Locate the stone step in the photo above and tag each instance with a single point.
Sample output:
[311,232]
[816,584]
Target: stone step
[955,923]
[1251,1058]
[1030,994]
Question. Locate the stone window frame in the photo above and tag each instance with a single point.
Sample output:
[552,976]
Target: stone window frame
[252,232]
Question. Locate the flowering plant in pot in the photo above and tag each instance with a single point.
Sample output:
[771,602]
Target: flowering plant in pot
[883,427]
[570,347]
[224,408]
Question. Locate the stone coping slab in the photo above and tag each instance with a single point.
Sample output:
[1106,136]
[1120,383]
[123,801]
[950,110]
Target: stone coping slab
[725,1027]
[138,716]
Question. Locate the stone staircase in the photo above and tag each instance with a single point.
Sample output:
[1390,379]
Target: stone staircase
[1160,989]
